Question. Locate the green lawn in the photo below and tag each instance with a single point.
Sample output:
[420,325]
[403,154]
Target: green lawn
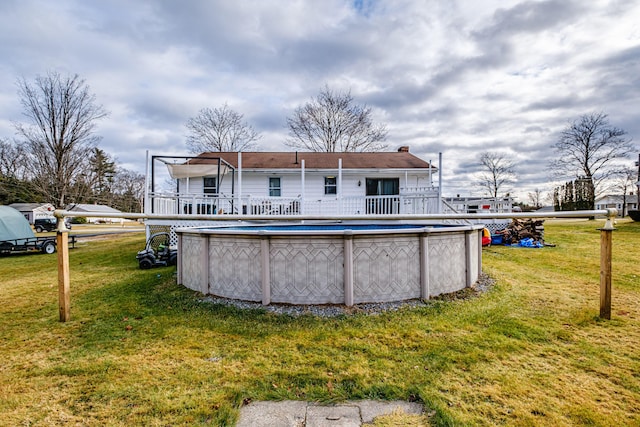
[140,350]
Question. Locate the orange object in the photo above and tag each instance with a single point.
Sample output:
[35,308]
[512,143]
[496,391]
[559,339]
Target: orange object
[486,237]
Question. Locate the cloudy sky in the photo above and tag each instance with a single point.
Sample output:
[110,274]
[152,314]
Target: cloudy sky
[457,77]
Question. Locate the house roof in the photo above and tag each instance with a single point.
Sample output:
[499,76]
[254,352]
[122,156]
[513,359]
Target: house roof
[81,207]
[315,160]
[25,207]
[630,198]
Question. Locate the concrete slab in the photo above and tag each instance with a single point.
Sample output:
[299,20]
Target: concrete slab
[288,413]
[333,416]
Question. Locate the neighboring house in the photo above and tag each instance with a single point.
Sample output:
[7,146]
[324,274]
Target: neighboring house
[617,201]
[33,211]
[295,183]
[81,208]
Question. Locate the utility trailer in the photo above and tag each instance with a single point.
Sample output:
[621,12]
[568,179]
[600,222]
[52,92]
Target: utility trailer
[17,236]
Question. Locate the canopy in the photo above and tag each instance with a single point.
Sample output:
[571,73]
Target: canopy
[189,171]
[14,226]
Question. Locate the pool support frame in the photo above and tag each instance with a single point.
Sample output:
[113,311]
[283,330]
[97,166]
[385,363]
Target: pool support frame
[64,299]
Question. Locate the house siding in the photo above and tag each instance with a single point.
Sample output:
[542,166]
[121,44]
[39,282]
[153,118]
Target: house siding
[256,184]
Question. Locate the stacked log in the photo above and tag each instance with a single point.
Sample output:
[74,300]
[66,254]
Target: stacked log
[523,229]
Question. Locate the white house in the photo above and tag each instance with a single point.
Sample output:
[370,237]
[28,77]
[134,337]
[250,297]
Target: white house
[294,183]
[33,211]
[617,201]
[80,208]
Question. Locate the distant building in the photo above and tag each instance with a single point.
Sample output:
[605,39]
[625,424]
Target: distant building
[33,211]
[79,208]
[617,201]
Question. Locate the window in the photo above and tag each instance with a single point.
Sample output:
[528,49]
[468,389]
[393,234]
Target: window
[210,185]
[330,185]
[274,187]
[382,186]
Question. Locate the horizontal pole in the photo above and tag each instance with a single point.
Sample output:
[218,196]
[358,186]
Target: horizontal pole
[609,213]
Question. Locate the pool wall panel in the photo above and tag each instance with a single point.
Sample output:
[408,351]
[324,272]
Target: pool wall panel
[386,269]
[447,264]
[234,271]
[304,272]
[194,273]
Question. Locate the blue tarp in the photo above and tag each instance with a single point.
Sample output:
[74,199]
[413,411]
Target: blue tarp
[529,243]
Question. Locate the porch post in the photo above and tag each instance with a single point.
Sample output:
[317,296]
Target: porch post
[439,183]
[145,206]
[340,186]
[239,182]
[302,195]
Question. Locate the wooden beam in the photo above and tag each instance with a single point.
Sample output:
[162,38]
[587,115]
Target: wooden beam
[605,265]
[64,298]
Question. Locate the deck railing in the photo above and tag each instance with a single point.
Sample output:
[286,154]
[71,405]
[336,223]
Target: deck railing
[206,204]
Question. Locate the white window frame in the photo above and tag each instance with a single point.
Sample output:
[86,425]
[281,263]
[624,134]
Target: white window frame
[273,189]
[328,186]
[206,189]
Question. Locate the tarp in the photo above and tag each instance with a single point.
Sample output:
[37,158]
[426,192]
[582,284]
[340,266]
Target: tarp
[14,226]
[189,170]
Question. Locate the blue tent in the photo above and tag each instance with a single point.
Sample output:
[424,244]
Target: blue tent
[14,226]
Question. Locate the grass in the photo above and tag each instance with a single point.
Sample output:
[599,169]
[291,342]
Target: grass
[141,350]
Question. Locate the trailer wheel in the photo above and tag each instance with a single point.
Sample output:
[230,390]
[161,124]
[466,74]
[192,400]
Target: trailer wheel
[48,247]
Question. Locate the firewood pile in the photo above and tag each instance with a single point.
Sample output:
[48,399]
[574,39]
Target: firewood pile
[518,230]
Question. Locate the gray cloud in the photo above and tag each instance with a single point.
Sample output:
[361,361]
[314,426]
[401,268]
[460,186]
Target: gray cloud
[452,77]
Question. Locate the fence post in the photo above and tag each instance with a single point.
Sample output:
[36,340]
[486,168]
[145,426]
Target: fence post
[605,264]
[64,298]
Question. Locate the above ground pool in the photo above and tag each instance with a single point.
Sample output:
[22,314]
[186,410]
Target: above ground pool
[329,263]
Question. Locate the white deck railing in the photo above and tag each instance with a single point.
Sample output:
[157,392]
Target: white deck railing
[201,204]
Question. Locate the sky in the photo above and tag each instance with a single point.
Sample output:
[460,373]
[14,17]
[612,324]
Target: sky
[452,77]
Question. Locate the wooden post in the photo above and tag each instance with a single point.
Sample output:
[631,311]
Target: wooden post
[64,299]
[605,265]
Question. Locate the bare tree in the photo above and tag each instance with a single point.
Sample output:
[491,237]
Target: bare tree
[13,160]
[128,187]
[497,173]
[15,185]
[219,129]
[333,123]
[62,116]
[588,147]
[536,197]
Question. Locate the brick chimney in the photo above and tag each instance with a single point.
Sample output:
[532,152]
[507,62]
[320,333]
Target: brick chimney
[403,149]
